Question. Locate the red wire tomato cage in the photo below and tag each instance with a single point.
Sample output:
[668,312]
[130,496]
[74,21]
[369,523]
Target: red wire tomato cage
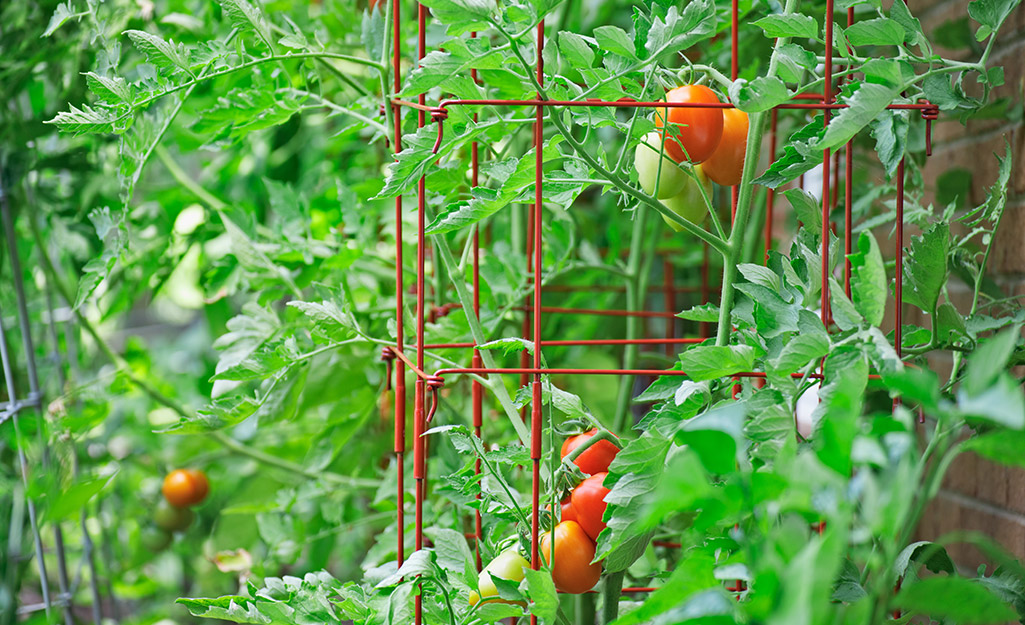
[429,383]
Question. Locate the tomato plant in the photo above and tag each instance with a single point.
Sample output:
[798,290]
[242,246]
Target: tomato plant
[690,134]
[210,221]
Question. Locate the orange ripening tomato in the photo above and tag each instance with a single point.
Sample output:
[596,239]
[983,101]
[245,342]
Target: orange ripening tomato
[572,570]
[596,458]
[588,501]
[185,487]
[693,133]
[727,163]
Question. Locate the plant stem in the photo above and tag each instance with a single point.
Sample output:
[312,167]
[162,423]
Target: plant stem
[585,613]
[495,383]
[736,241]
[611,591]
[635,293]
[735,245]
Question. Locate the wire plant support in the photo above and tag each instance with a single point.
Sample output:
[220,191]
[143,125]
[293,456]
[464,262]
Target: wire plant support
[428,383]
[16,403]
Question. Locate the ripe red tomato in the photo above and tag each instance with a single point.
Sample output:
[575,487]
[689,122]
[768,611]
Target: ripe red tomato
[172,519]
[588,500]
[572,569]
[567,511]
[694,133]
[596,459]
[727,162]
[185,487]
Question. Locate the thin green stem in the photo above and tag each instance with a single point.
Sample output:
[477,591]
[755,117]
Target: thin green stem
[635,293]
[495,383]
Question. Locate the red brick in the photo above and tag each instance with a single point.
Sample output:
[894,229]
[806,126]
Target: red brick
[961,477]
[991,483]
[1009,247]
[1016,490]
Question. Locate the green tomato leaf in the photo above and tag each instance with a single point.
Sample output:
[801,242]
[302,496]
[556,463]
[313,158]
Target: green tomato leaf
[793,62]
[880,31]
[707,313]
[925,268]
[990,14]
[866,102]
[1001,403]
[808,209]
[615,40]
[958,599]
[459,56]
[890,130]
[868,280]
[576,50]
[913,34]
[544,602]
[799,156]
[635,475]
[248,18]
[463,16]
[794,25]
[716,436]
[760,94]
[797,353]
[679,31]
[1001,446]
[933,556]
[164,54]
[707,362]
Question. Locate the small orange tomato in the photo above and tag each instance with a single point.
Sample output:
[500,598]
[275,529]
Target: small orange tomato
[185,487]
[572,569]
[694,133]
[726,165]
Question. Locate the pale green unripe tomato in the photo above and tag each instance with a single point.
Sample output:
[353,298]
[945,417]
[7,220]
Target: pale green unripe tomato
[670,180]
[688,203]
[508,565]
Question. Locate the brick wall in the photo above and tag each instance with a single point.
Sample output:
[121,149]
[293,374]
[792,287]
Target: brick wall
[978,495]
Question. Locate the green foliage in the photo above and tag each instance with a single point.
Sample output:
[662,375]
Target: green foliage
[212,207]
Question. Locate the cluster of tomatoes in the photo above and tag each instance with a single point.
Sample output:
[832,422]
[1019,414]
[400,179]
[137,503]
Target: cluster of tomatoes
[183,488]
[712,140]
[573,568]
